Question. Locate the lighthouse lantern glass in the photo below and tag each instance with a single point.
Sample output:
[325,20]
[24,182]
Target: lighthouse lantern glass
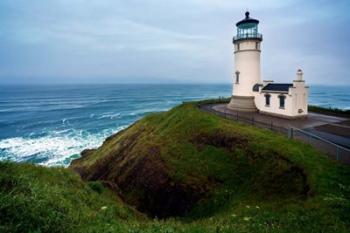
[247,30]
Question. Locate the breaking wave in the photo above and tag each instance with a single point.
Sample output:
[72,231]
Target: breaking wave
[56,149]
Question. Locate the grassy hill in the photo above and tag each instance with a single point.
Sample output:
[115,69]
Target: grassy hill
[188,171]
[39,199]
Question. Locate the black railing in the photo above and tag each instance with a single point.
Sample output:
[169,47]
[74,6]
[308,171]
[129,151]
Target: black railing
[248,36]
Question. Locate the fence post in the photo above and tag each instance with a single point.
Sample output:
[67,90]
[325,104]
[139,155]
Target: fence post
[337,152]
[237,116]
[271,125]
[290,133]
[252,120]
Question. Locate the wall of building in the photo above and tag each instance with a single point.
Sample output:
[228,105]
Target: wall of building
[300,95]
[247,62]
[296,102]
[274,107]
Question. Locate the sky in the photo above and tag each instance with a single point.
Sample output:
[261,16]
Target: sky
[159,41]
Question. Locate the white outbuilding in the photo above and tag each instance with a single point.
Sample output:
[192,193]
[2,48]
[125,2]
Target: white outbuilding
[250,94]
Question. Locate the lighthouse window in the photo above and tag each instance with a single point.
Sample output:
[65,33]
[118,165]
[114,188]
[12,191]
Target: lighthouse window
[267,100]
[237,77]
[257,45]
[282,101]
[238,47]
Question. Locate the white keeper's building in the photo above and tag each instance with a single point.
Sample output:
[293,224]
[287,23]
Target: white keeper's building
[250,94]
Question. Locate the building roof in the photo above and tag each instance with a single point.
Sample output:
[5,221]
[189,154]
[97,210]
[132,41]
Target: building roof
[277,87]
[256,87]
[247,20]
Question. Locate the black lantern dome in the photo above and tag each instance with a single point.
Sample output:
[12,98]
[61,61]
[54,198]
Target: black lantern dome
[247,29]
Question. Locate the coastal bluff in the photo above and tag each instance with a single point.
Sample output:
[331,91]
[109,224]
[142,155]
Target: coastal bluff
[181,162]
[185,170]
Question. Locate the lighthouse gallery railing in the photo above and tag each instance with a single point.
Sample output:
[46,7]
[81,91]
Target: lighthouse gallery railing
[248,36]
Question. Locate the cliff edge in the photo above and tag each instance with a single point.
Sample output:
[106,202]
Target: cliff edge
[186,162]
[195,170]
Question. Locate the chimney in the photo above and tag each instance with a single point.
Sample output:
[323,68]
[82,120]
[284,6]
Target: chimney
[300,75]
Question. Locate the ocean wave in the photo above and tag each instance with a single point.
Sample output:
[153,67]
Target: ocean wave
[42,108]
[142,112]
[56,149]
[109,116]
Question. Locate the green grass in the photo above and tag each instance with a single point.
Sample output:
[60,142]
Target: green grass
[39,199]
[329,111]
[254,188]
[220,100]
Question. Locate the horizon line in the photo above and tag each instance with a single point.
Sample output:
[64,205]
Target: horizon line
[150,83]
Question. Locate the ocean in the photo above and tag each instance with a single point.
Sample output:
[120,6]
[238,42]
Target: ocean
[50,125]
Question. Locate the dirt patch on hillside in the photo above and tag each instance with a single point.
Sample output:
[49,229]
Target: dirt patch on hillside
[161,196]
[221,140]
[142,179]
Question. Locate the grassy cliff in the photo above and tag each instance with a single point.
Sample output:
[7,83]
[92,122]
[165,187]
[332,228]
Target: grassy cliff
[39,199]
[193,170]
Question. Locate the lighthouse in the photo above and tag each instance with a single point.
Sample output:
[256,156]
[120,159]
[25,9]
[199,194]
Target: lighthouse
[250,93]
[247,50]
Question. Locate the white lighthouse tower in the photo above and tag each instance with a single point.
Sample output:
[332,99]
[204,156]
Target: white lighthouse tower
[250,93]
[247,64]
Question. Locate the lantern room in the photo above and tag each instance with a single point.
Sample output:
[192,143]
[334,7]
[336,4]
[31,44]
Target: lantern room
[247,29]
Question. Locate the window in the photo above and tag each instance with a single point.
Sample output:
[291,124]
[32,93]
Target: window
[282,101]
[237,77]
[257,45]
[267,100]
[238,47]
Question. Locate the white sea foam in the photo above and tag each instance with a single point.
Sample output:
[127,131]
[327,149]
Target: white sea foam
[109,116]
[147,110]
[56,149]
[39,108]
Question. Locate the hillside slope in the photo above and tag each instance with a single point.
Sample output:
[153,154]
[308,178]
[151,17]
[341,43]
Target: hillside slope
[190,164]
[194,171]
[40,199]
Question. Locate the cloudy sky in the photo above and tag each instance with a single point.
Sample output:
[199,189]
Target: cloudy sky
[160,41]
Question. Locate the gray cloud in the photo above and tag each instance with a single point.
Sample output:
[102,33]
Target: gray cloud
[168,41]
